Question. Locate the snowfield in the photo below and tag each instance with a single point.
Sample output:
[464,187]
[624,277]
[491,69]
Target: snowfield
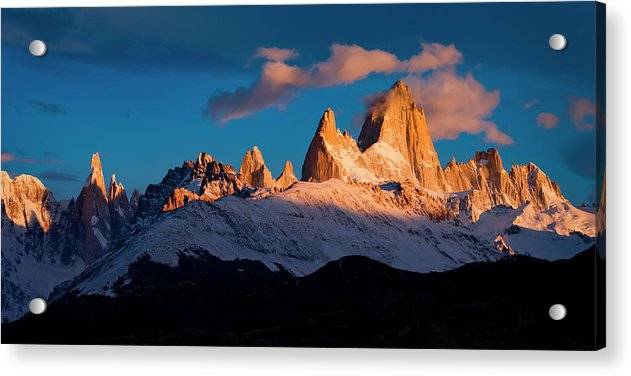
[300,230]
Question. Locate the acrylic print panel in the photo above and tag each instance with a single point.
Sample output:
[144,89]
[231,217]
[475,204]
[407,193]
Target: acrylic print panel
[407,176]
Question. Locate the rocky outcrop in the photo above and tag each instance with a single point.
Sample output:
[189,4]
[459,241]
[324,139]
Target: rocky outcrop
[120,210]
[133,201]
[220,180]
[94,212]
[286,178]
[253,171]
[178,198]
[486,184]
[26,201]
[200,165]
[152,201]
[217,180]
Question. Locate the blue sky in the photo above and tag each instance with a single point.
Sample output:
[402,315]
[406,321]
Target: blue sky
[134,83]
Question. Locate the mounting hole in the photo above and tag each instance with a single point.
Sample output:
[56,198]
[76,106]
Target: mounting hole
[557,312]
[37,48]
[557,42]
[37,306]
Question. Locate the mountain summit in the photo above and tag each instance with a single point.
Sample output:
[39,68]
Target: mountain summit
[394,119]
[94,211]
[395,145]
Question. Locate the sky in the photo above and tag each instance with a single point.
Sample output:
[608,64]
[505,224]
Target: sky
[149,88]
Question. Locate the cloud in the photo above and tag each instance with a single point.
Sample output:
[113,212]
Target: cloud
[582,112]
[8,157]
[58,176]
[434,56]
[47,158]
[547,120]
[348,64]
[457,104]
[279,82]
[49,108]
[530,104]
[276,87]
[279,55]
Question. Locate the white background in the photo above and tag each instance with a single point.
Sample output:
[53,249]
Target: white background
[185,361]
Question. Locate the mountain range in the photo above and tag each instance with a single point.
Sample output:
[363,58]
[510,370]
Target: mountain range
[384,196]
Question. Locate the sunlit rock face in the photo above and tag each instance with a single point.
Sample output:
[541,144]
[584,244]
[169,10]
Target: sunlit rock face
[253,171]
[395,145]
[26,202]
[94,211]
[394,119]
[217,180]
[487,184]
[287,178]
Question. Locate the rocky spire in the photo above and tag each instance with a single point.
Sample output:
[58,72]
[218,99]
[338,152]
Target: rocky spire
[331,154]
[199,166]
[394,119]
[133,201]
[96,178]
[253,171]
[116,189]
[287,177]
[118,202]
[94,212]
[488,184]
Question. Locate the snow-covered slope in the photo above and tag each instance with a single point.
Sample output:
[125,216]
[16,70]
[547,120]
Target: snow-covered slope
[536,234]
[300,230]
[310,224]
[36,256]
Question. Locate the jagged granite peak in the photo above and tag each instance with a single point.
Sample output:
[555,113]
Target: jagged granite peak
[286,178]
[394,119]
[26,201]
[94,212]
[116,189]
[333,154]
[199,166]
[133,201]
[532,184]
[219,180]
[152,201]
[96,177]
[487,184]
[120,210]
[201,179]
[253,171]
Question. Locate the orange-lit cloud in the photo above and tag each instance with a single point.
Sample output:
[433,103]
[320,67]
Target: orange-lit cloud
[8,157]
[348,64]
[279,55]
[434,56]
[547,120]
[457,104]
[275,88]
[48,158]
[279,82]
[582,111]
